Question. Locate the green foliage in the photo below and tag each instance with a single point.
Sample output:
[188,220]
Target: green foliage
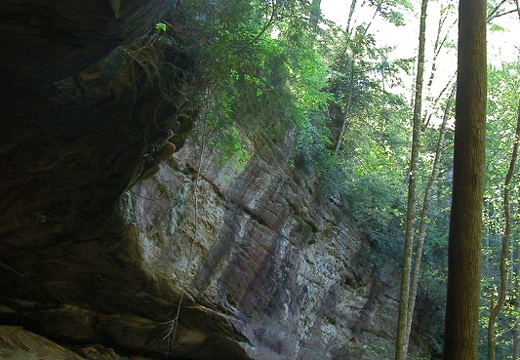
[502,108]
[390,10]
[374,152]
[160,26]
[255,71]
[231,149]
[496,27]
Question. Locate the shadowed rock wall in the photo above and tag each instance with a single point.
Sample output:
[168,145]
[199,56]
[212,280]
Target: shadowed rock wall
[47,40]
[80,122]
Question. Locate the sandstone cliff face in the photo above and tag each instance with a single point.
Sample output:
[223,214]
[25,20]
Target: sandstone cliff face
[96,254]
[264,250]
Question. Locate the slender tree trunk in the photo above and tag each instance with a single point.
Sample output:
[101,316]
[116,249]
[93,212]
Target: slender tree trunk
[350,16]
[346,116]
[440,41]
[424,215]
[516,286]
[505,245]
[464,249]
[349,44]
[402,325]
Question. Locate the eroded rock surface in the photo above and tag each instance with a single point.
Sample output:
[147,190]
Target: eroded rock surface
[264,248]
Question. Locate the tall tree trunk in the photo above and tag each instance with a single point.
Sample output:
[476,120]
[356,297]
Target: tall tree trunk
[465,236]
[402,325]
[505,245]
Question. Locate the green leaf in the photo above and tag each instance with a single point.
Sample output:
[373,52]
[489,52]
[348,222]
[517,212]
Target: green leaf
[161,26]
